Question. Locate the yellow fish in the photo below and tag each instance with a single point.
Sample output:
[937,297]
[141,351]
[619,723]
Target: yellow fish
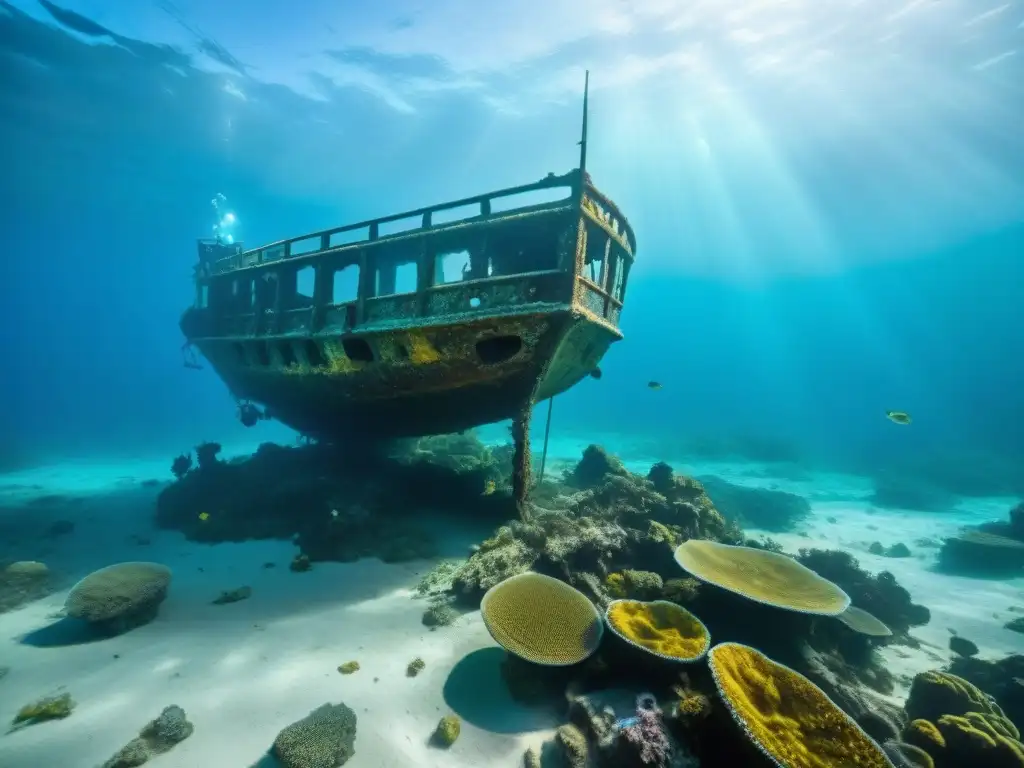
[204,516]
[898,417]
[489,487]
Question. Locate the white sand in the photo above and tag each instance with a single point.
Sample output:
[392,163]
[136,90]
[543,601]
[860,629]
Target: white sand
[244,671]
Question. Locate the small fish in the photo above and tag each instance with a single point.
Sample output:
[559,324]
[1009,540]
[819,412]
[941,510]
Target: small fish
[204,516]
[489,487]
[654,385]
[596,373]
[898,417]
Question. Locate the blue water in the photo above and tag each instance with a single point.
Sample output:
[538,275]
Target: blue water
[828,200]
[813,250]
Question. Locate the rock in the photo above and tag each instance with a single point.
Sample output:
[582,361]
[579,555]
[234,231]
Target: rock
[233,596]
[962,646]
[982,552]
[898,550]
[325,738]
[1015,625]
[756,507]
[876,548]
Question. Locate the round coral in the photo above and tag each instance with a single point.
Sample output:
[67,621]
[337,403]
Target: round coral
[542,620]
[762,576]
[664,629]
[787,716]
[120,596]
[864,623]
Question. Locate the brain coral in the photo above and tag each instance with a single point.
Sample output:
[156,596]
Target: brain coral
[934,694]
[763,576]
[542,620]
[977,740]
[659,627]
[863,622]
[958,725]
[120,596]
[786,716]
[325,738]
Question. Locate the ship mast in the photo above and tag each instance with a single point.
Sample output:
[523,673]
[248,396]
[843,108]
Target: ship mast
[583,137]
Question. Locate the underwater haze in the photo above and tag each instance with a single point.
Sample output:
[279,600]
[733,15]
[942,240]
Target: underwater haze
[828,200]
[820,382]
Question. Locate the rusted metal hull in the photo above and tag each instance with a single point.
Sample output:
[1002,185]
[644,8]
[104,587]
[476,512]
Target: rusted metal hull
[422,380]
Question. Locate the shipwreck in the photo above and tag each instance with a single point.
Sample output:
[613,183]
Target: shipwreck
[424,322]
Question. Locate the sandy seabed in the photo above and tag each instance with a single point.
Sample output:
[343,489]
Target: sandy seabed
[245,670]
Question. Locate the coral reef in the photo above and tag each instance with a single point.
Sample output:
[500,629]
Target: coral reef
[325,738]
[170,728]
[349,667]
[542,620]
[447,731]
[119,597]
[23,582]
[595,465]
[414,667]
[624,729]
[661,628]
[765,577]
[786,716]
[643,585]
[590,533]
[644,738]
[762,508]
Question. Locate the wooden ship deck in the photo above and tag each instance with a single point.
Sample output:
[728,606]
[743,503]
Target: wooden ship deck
[508,306]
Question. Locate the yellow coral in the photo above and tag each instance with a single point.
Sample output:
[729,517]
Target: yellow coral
[933,694]
[447,731]
[923,734]
[863,622]
[50,708]
[693,705]
[981,739]
[762,576]
[542,620]
[615,583]
[659,627]
[787,716]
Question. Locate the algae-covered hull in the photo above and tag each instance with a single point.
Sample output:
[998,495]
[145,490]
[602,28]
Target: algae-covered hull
[429,381]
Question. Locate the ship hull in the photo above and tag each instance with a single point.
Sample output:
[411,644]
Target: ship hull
[415,381]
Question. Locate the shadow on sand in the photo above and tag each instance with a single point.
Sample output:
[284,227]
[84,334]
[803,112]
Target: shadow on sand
[62,633]
[476,692]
